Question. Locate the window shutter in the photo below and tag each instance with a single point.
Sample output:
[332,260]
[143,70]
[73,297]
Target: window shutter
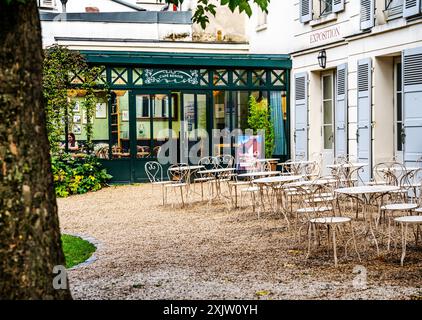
[364,132]
[411,8]
[301,116]
[340,137]
[412,101]
[367,14]
[338,5]
[305,10]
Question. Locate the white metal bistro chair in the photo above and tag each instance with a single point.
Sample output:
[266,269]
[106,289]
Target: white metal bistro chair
[154,172]
[178,181]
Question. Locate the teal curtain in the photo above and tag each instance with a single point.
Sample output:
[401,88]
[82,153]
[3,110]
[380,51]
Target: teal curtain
[278,121]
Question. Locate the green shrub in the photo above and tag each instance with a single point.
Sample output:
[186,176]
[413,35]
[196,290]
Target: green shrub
[77,175]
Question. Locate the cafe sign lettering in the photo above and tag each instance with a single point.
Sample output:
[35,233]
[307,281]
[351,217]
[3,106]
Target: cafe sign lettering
[159,76]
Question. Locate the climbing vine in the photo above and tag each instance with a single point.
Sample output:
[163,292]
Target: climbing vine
[62,69]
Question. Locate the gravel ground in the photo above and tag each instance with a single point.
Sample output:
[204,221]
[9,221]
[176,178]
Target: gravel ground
[148,251]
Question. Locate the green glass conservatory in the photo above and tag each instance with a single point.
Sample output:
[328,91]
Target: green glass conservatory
[155,98]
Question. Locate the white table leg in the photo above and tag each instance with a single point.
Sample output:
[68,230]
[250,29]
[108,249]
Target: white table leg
[403,241]
[334,245]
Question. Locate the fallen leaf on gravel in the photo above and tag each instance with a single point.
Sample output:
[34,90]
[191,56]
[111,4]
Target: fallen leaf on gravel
[262,293]
[288,265]
[294,251]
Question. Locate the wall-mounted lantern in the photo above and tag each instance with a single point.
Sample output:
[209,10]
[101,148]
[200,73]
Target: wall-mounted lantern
[322,59]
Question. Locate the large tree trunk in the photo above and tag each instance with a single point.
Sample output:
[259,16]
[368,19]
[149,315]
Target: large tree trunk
[30,243]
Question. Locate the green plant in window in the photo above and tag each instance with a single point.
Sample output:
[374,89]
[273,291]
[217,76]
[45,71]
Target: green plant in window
[259,119]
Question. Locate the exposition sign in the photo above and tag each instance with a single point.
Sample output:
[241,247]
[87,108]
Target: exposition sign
[324,35]
[160,76]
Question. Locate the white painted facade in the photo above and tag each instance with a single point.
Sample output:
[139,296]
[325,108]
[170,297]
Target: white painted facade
[139,26]
[341,35]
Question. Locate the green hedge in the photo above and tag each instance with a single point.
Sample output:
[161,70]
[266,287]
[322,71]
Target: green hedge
[75,175]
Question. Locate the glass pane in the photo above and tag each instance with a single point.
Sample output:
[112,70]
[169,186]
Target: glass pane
[201,100]
[143,127]
[204,78]
[221,77]
[189,114]
[100,132]
[258,77]
[399,78]
[399,107]
[221,122]
[240,77]
[161,132]
[119,76]
[137,76]
[399,137]
[328,112]
[277,77]
[120,124]
[328,137]
[242,107]
[327,87]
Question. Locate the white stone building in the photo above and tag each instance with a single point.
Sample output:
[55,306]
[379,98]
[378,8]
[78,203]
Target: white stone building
[367,101]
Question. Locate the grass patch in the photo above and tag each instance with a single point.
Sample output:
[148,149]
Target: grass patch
[76,250]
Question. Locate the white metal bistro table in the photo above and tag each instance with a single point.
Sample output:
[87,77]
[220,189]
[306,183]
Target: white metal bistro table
[296,166]
[219,173]
[267,160]
[349,168]
[190,171]
[351,165]
[258,174]
[366,194]
[275,184]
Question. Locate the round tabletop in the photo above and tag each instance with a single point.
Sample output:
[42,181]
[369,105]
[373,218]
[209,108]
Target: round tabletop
[259,174]
[267,160]
[311,182]
[410,219]
[277,179]
[368,189]
[217,170]
[295,162]
[346,165]
[184,168]
[331,220]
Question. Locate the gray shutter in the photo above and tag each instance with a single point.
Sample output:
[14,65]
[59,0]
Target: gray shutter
[412,102]
[301,116]
[338,5]
[367,12]
[340,137]
[411,8]
[305,10]
[364,121]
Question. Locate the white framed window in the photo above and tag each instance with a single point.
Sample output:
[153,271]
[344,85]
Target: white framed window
[325,7]
[314,10]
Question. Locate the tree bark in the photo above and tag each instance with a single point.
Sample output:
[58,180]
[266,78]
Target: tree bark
[30,244]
